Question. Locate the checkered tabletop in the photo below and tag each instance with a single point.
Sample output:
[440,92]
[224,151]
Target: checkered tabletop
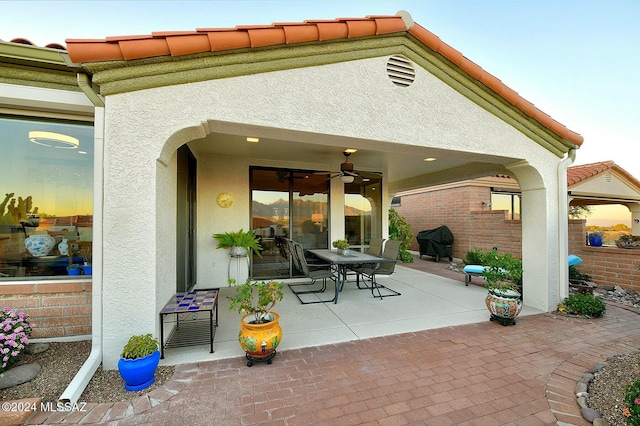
[203,300]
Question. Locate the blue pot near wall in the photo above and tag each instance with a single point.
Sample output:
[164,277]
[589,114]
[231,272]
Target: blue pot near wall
[595,240]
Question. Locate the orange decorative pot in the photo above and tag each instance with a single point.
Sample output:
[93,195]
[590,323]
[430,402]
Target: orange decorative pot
[260,341]
[504,305]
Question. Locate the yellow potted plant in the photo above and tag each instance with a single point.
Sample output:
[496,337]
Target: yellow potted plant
[260,331]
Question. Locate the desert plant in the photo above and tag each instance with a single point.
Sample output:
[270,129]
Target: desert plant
[140,346]
[268,294]
[340,244]
[15,329]
[246,240]
[583,304]
[400,230]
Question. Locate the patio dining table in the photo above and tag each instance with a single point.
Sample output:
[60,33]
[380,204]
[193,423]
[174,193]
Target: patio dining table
[343,261]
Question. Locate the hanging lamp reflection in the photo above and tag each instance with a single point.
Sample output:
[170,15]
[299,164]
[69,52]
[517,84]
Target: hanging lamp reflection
[53,140]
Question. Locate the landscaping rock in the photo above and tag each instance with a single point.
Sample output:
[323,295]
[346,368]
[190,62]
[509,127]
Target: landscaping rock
[580,387]
[36,348]
[18,375]
[589,414]
[586,378]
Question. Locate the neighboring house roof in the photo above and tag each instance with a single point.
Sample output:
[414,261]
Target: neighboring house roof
[577,174]
[583,181]
[219,39]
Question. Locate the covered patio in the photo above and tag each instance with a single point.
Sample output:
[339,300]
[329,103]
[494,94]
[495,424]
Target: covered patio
[429,300]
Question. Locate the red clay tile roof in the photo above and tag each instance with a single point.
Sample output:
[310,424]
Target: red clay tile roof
[217,39]
[28,42]
[576,174]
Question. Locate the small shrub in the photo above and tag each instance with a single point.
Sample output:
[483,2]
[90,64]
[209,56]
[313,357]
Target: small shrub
[574,274]
[140,346]
[631,410]
[584,304]
[15,329]
[475,257]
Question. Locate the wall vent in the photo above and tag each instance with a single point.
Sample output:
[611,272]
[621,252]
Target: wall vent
[607,177]
[400,70]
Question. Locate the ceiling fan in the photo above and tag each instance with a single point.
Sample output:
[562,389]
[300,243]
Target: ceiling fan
[346,173]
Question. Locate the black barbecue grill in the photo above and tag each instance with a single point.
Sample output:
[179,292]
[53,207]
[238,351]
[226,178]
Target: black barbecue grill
[436,242]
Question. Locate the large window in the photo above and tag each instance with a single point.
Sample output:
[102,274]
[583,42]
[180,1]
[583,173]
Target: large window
[46,196]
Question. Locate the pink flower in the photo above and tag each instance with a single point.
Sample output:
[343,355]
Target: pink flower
[636,401]
[626,412]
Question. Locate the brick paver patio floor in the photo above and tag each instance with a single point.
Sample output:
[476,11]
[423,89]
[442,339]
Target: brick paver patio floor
[479,374]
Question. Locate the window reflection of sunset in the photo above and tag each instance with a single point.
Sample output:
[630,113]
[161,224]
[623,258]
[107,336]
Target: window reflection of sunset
[357,201]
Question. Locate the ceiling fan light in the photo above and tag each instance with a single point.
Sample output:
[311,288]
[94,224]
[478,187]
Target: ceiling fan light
[347,179]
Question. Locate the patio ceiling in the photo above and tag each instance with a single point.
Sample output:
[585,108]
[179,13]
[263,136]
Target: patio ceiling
[401,164]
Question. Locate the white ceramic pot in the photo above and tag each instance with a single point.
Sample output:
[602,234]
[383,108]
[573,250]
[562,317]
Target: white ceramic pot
[39,245]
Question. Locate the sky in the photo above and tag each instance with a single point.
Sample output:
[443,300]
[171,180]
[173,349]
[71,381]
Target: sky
[577,61]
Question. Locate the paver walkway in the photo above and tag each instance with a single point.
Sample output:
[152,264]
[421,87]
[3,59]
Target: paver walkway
[479,374]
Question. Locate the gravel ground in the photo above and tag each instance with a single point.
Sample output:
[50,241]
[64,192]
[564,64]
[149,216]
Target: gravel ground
[61,362]
[606,390]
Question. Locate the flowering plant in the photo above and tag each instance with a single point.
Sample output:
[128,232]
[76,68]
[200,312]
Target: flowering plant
[631,409]
[15,329]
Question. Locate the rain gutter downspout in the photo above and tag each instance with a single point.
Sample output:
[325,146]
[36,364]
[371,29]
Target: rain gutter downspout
[563,222]
[83,376]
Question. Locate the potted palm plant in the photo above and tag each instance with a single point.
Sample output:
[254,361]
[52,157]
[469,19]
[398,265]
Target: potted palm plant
[240,244]
[138,362]
[260,331]
[503,274]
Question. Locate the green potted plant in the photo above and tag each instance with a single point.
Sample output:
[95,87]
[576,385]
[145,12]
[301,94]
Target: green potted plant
[342,246]
[260,331]
[138,362]
[240,242]
[503,273]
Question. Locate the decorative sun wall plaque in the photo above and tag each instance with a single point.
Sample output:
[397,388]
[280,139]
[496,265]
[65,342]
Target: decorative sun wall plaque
[224,199]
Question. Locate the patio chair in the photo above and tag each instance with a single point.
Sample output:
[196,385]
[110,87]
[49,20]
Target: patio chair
[314,272]
[375,246]
[391,250]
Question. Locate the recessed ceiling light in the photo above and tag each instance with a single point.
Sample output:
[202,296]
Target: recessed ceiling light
[253,140]
[429,159]
[53,140]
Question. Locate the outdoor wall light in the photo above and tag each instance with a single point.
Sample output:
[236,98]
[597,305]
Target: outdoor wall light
[53,140]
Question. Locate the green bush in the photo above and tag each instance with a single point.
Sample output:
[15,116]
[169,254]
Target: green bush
[475,257]
[585,304]
[400,230]
[631,410]
[574,274]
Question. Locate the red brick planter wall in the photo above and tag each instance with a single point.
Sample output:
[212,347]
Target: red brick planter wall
[56,309]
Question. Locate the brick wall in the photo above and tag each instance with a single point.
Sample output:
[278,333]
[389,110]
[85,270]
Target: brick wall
[56,309]
[461,210]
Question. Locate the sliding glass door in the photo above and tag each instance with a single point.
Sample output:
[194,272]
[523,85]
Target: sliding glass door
[291,204]
[363,209]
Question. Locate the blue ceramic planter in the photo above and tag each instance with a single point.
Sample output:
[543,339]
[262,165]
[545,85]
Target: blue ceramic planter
[139,373]
[595,240]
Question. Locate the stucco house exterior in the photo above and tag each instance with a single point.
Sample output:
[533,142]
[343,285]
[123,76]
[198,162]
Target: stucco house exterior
[253,116]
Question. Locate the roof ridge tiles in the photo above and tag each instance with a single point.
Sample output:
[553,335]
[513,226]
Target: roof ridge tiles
[176,43]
